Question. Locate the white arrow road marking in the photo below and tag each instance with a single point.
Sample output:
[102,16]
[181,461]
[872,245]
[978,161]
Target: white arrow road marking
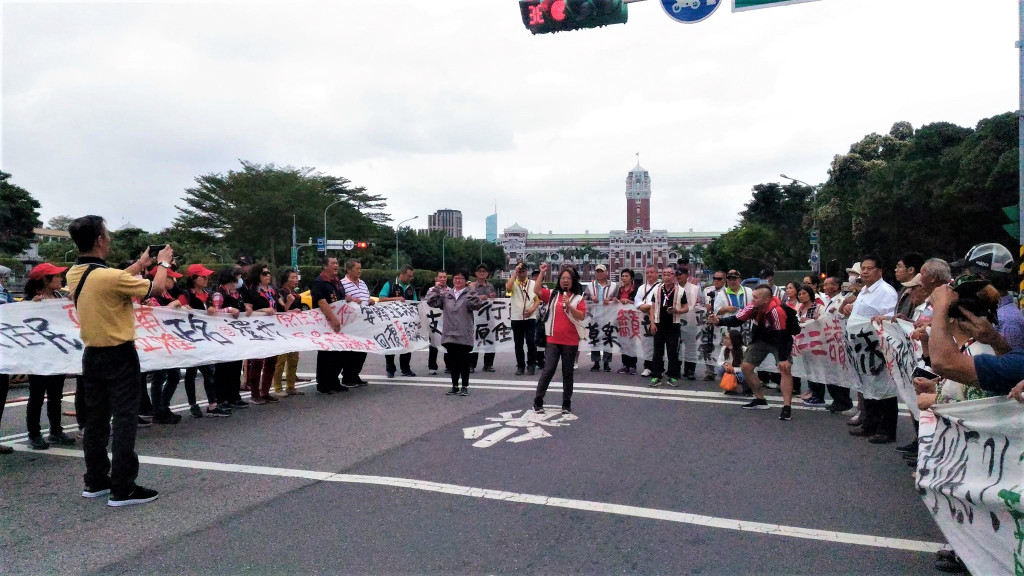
[531,434]
[495,437]
[477,431]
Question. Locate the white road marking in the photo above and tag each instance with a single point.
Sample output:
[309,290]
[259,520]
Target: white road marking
[539,500]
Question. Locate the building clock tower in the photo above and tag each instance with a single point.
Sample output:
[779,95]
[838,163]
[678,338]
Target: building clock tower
[638,199]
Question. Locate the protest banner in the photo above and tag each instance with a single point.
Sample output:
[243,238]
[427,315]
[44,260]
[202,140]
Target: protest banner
[864,353]
[970,473]
[901,356]
[44,338]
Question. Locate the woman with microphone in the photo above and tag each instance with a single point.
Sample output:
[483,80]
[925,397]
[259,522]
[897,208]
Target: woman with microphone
[564,329]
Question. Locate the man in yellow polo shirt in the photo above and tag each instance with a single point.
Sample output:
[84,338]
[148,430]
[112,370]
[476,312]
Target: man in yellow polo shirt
[110,364]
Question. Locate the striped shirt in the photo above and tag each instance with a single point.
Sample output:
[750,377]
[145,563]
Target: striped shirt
[357,290]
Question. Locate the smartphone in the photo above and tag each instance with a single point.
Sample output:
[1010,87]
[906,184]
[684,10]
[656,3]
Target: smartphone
[922,373]
[155,249]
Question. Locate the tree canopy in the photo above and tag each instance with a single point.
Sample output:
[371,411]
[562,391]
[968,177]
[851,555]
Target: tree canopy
[937,190]
[18,216]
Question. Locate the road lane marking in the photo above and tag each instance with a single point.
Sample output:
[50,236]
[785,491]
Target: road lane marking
[539,500]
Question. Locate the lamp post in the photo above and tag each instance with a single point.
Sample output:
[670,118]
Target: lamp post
[444,237]
[815,241]
[397,228]
[219,257]
[325,217]
[68,252]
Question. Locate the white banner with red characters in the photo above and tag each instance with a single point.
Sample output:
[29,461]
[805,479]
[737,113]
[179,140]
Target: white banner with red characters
[43,337]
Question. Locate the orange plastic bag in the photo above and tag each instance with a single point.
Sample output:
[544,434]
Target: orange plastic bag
[729,382]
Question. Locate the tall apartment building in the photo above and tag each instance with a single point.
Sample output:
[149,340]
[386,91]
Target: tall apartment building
[448,220]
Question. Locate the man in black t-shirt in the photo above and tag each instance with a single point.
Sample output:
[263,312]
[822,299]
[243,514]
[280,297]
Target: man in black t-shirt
[326,290]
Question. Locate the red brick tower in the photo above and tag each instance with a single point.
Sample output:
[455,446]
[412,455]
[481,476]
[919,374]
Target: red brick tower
[638,199]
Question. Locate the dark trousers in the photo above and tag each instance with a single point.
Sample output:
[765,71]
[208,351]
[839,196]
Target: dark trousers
[259,375]
[162,388]
[351,366]
[553,353]
[474,356]
[817,390]
[689,368]
[457,360]
[629,361]
[328,369]
[208,383]
[840,396]
[145,406]
[403,361]
[110,381]
[596,357]
[525,332]
[227,376]
[666,341]
[53,388]
[881,416]
[5,384]
[432,359]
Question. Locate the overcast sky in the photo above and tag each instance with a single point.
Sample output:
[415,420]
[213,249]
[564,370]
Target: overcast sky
[115,108]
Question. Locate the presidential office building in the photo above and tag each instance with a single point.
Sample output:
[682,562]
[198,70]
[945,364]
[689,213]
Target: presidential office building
[635,247]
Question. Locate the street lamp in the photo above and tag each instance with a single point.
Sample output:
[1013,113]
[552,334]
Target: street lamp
[325,217]
[443,239]
[397,228]
[68,252]
[219,257]
[815,243]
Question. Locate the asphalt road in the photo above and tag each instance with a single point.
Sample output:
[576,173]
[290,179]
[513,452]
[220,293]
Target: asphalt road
[398,478]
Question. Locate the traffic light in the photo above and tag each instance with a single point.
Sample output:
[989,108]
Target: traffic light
[1013,228]
[544,16]
[361,245]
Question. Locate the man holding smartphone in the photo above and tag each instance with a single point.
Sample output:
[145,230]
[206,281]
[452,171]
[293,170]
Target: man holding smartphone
[110,364]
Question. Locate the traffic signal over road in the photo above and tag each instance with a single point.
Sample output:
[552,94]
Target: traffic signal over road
[544,16]
[361,245]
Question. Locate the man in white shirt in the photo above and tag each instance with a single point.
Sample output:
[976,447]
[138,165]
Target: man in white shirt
[523,312]
[355,291]
[644,297]
[877,298]
[689,330]
[601,291]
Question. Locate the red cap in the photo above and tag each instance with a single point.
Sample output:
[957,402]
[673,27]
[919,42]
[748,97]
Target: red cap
[40,271]
[170,273]
[198,270]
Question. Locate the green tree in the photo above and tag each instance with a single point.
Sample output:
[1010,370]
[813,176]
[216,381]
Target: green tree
[61,222]
[250,210]
[18,216]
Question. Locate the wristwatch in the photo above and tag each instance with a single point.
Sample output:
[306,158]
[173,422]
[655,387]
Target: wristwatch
[166,265]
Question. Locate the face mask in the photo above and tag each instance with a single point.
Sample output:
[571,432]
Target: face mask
[239,283]
[853,278]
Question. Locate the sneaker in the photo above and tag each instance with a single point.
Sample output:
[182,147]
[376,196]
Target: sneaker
[196,411]
[143,423]
[596,367]
[756,404]
[538,409]
[951,565]
[851,411]
[464,392]
[391,374]
[881,438]
[646,373]
[324,391]
[137,495]
[814,402]
[257,400]
[408,373]
[530,370]
[96,490]
[37,443]
[294,393]
[218,412]
[673,382]
[59,437]
[908,448]
[690,376]
[709,377]
[575,366]
[433,372]
[520,372]
[452,392]
[271,399]
[167,418]
[786,414]
[655,382]
[623,370]
[772,386]
[632,371]
[566,411]
[607,368]
[489,369]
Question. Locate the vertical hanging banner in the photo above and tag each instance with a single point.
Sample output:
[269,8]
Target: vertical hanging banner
[970,473]
[744,5]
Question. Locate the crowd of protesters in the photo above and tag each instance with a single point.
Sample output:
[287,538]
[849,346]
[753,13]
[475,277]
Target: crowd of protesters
[964,314]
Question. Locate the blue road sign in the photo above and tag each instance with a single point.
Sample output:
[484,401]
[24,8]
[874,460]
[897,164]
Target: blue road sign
[321,245]
[690,11]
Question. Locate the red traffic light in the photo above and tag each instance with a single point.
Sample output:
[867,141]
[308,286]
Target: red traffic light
[361,245]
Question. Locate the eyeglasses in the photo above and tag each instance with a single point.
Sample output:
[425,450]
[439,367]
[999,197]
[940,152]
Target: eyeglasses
[265,273]
[733,277]
[718,278]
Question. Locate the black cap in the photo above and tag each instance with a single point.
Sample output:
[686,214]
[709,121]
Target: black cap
[244,261]
[766,273]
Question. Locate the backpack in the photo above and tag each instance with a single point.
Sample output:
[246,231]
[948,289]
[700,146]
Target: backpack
[792,321]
